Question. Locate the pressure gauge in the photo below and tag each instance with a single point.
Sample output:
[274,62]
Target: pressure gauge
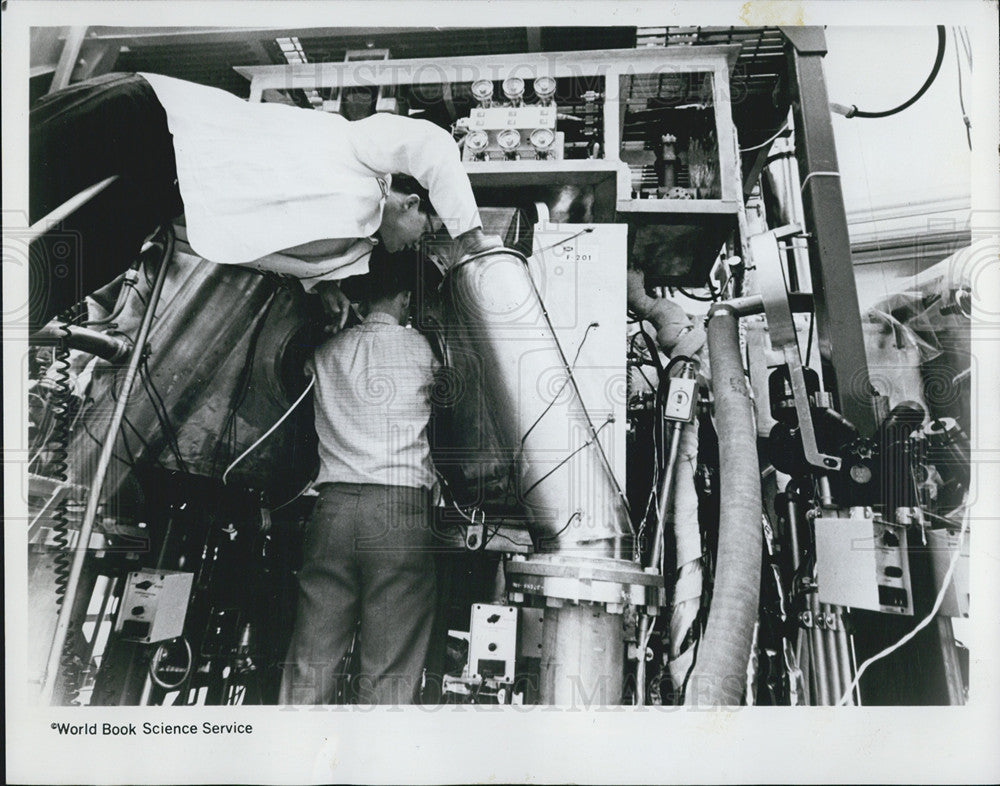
[513,88]
[545,89]
[542,140]
[476,142]
[509,140]
[482,91]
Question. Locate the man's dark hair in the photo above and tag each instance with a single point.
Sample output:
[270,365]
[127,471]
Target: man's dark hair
[389,274]
[405,184]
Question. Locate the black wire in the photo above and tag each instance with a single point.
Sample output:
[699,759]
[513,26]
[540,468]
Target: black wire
[700,298]
[809,338]
[585,445]
[228,430]
[942,40]
[569,374]
[961,98]
[576,515]
[99,443]
[163,417]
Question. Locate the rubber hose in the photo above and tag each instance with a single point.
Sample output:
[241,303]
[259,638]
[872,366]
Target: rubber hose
[719,676]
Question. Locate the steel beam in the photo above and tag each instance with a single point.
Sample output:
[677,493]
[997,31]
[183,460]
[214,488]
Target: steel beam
[838,321]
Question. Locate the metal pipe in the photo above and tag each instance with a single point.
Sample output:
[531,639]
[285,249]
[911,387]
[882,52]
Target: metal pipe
[719,675]
[68,207]
[108,593]
[93,342]
[818,656]
[103,462]
[844,654]
[665,495]
[640,660]
[832,655]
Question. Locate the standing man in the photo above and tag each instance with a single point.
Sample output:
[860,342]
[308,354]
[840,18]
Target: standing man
[367,565]
[293,191]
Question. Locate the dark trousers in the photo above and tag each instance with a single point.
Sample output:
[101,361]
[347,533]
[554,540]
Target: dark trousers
[78,136]
[367,568]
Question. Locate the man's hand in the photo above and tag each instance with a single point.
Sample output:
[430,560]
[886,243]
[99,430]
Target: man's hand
[336,305]
[474,241]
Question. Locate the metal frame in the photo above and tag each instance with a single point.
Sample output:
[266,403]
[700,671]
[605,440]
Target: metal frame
[838,324]
[612,65]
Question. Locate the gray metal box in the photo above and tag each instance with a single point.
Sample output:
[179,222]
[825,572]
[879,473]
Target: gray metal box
[493,642]
[154,605]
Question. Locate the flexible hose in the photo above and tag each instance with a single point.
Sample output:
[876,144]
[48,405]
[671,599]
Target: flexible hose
[719,675]
[853,111]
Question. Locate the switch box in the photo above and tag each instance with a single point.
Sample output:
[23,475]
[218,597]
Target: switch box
[492,642]
[154,605]
[863,563]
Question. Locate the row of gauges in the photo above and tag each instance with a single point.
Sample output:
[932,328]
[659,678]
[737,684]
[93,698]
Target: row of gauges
[512,130]
[513,90]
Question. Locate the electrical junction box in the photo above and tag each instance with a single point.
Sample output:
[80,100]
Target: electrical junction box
[154,605]
[862,563]
[492,642]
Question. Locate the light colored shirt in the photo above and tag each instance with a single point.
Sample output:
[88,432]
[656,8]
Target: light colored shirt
[257,179]
[372,404]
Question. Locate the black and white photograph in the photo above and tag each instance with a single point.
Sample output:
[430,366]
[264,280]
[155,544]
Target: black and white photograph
[530,392]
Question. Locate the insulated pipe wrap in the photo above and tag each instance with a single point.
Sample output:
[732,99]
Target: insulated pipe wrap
[719,676]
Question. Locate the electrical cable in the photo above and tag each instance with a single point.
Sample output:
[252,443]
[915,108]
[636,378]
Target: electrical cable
[155,662]
[961,98]
[162,416]
[266,434]
[816,174]
[588,443]
[767,141]
[809,338]
[227,434]
[945,584]
[562,387]
[699,298]
[853,110]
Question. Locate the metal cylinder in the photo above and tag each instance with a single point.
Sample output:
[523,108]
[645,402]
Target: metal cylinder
[560,473]
[583,656]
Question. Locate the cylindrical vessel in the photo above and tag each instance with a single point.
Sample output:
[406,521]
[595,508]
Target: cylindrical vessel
[583,657]
[551,457]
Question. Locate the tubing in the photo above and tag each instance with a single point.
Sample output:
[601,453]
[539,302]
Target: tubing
[111,348]
[719,676]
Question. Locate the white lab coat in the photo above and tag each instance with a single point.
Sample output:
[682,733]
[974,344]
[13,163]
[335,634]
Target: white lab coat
[259,178]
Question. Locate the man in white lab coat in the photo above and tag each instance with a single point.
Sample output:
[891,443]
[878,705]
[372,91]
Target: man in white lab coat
[278,188]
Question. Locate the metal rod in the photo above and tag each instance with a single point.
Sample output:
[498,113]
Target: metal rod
[666,490]
[97,484]
[108,593]
[832,657]
[45,223]
[844,654]
[818,656]
[640,661]
[793,530]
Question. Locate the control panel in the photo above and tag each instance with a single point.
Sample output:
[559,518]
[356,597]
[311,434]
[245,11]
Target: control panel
[154,605]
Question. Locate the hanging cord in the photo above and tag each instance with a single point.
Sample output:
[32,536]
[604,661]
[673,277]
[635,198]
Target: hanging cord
[853,111]
[266,434]
[767,141]
[961,98]
[945,584]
